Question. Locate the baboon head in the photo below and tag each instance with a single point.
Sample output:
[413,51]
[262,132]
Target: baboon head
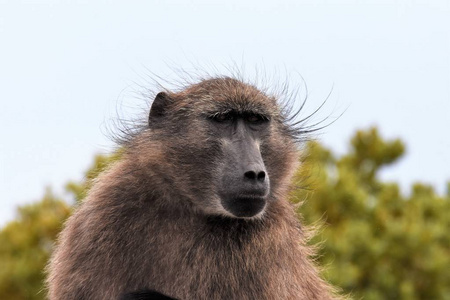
[224,145]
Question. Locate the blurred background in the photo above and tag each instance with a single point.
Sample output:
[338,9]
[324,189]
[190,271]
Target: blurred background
[378,176]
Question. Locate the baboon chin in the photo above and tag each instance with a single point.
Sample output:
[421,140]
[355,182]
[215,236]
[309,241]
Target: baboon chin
[196,208]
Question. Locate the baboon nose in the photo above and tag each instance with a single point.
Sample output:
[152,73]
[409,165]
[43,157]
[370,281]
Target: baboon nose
[255,175]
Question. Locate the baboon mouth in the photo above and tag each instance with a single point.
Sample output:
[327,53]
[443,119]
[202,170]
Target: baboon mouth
[244,206]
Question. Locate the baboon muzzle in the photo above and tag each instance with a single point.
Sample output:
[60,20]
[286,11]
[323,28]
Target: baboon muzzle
[245,182]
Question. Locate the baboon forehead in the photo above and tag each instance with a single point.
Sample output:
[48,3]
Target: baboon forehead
[225,94]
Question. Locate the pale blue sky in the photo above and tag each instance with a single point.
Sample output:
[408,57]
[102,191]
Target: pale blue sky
[65,66]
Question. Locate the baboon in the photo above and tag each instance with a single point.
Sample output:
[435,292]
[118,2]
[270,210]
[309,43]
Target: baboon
[196,208]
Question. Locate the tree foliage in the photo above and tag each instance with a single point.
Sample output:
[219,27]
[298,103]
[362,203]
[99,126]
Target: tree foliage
[375,242]
[25,246]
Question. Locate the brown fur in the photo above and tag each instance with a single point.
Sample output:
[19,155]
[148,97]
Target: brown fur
[146,222]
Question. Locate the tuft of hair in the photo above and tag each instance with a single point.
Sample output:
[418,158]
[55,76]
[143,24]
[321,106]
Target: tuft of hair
[288,88]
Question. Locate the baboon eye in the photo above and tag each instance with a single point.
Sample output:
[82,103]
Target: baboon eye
[256,119]
[222,117]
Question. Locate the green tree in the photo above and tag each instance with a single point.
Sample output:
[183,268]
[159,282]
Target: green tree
[25,246]
[376,243]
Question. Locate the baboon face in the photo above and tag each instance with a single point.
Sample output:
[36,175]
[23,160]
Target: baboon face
[219,139]
[243,184]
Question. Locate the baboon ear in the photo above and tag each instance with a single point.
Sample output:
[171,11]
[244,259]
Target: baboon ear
[159,106]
